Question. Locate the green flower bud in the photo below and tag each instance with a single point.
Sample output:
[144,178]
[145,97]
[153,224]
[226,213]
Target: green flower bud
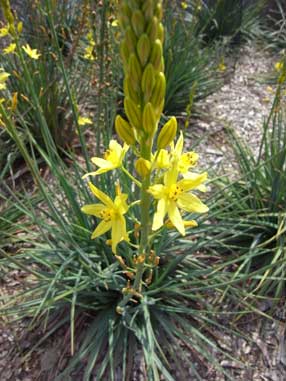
[133,113]
[161,33]
[167,133]
[131,40]
[124,53]
[143,167]
[130,92]
[148,9]
[158,94]
[156,55]
[148,81]
[134,4]
[149,119]
[135,71]
[143,49]
[138,22]
[152,29]
[159,10]
[124,130]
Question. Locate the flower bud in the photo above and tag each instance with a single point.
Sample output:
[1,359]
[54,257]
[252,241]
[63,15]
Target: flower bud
[135,71]
[159,10]
[134,4]
[143,49]
[152,29]
[156,55]
[133,113]
[148,81]
[130,39]
[124,53]
[142,167]
[148,9]
[124,130]
[161,33]
[158,94]
[129,91]
[138,22]
[167,133]
[149,119]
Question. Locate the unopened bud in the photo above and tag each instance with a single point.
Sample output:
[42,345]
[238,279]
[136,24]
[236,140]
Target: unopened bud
[148,9]
[148,81]
[135,71]
[124,130]
[130,39]
[138,22]
[149,119]
[158,94]
[167,133]
[161,33]
[152,29]
[159,10]
[133,113]
[143,49]
[124,53]
[129,90]
[157,54]
[143,167]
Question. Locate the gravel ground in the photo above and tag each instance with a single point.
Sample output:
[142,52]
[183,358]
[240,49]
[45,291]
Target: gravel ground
[243,103]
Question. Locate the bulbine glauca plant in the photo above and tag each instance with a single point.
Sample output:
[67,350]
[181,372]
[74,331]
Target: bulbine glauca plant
[163,171]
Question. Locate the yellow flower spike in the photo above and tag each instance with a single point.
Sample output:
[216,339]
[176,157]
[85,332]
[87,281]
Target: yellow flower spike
[9,49]
[32,53]
[173,195]
[167,133]
[112,215]
[112,159]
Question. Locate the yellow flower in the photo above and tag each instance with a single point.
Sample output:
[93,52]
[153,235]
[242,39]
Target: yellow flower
[115,23]
[33,53]
[112,158]
[9,49]
[111,213]
[184,5]
[279,66]
[83,120]
[173,195]
[89,53]
[4,31]
[3,78]
[183,161]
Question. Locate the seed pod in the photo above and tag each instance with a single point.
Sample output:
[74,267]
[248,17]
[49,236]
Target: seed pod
[131,39]
[143,49]
[135,71]
[133,113]
[167,133]
[142,167]
[149,120]
[124,130]
[158,94]
[148,81]
[152,29]
[130,92]
[138,22]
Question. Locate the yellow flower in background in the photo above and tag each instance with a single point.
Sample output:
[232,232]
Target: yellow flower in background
[111,213]
[279,66]
[33,53]
[3,78]
[9,49]
[83,120]
[184,5]
[112,158]
[173,195]
[115,23]
[4,31]
[89,53]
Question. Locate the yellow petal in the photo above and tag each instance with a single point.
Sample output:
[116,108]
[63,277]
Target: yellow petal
[157,191]
[191,203]
[100,195]
[176,217]
[192,180]
[83,120]
[158,220]
[93,209]
[101,228]
[118,232]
